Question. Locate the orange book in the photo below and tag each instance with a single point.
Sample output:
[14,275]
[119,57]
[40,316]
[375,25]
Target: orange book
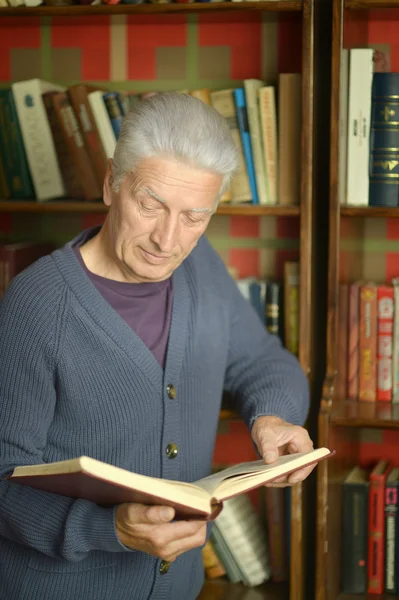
[368,343]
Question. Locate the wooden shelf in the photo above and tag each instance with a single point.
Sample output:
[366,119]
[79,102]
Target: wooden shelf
[350,413]
[16,206]
[369,4]
[151,9]
[366,597]
[369,211]
[223,590]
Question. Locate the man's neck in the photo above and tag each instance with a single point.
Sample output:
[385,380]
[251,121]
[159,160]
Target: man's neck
[97,255]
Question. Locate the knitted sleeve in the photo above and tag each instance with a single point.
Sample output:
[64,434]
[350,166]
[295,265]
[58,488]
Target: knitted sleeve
[31,312]
[263,377]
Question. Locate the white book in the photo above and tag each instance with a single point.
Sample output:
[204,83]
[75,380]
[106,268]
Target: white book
[252,87]
[245,537]
[103,122]
[37,137]
[343,126]
[359,115]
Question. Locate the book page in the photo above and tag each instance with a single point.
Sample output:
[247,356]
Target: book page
[245,476]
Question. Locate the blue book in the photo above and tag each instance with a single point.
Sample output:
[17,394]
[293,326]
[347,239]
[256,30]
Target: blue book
[242,117]
[384,141]
[114,111]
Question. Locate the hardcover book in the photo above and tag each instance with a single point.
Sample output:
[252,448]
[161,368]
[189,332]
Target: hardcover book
[106,484]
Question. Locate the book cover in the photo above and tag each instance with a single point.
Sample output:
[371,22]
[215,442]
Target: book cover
[384,141]
[91,479]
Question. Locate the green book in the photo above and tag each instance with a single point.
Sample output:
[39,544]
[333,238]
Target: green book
[12,150]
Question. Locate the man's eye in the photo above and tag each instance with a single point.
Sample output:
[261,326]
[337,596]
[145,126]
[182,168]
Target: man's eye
[194,220]
[148,208]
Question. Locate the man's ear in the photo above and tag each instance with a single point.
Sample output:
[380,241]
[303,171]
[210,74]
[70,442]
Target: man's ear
[107,187]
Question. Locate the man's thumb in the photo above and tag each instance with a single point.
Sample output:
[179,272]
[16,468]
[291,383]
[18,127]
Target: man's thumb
[269,452]
[160,514]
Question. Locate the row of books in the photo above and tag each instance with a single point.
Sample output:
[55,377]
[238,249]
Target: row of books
[244,548]
[368,342]
[370,541]
[369,131]
[276,303]
[55,141]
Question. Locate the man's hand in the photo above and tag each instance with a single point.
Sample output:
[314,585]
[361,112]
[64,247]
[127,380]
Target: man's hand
[274,437]
[148,529]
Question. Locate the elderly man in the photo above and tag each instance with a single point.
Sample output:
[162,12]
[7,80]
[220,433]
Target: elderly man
[119,346]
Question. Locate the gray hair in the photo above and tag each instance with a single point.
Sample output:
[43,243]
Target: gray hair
[176,125]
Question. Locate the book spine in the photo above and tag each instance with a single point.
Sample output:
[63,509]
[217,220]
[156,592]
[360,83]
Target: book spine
[114,112]
[384,141]
[251,88]
[368,343]
[291,306]
[343,334]
[16,169]
[273,301]
[38,141]
[395,351]
[391,510]
[74,141]
[376,540]
[353,341]
[359,109]
[289,137]
[355,502]
[267,107]
[242,117]
[223,102]
[384,345]
[68,171]
[343,125]
[80,104]
[103,122]
[4,189]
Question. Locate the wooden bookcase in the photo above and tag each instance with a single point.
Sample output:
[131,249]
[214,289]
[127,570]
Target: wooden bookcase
[344,425]
[303,212]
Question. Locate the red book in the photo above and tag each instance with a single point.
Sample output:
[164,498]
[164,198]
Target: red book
[16,256]
[376,539]
[385,310]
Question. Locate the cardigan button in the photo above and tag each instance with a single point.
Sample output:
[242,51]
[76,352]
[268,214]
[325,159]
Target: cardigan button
[171,391]
[164,567]
[171,450]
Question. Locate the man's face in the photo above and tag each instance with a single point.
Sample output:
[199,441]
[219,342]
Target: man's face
[158,216]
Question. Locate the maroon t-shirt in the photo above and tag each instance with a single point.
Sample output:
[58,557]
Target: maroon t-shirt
[146,307]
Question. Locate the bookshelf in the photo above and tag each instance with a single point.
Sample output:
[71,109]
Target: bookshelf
[303,213]
[151,9]
[345,425]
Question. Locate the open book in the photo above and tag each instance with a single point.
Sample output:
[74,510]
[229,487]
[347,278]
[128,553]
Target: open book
[106,484]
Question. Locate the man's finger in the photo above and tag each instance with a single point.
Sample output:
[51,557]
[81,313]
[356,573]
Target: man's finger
[139,513]
[269,450]
[300,475]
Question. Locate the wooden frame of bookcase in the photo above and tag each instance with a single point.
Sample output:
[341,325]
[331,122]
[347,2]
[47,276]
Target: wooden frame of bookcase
[340,419]
[304,211]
